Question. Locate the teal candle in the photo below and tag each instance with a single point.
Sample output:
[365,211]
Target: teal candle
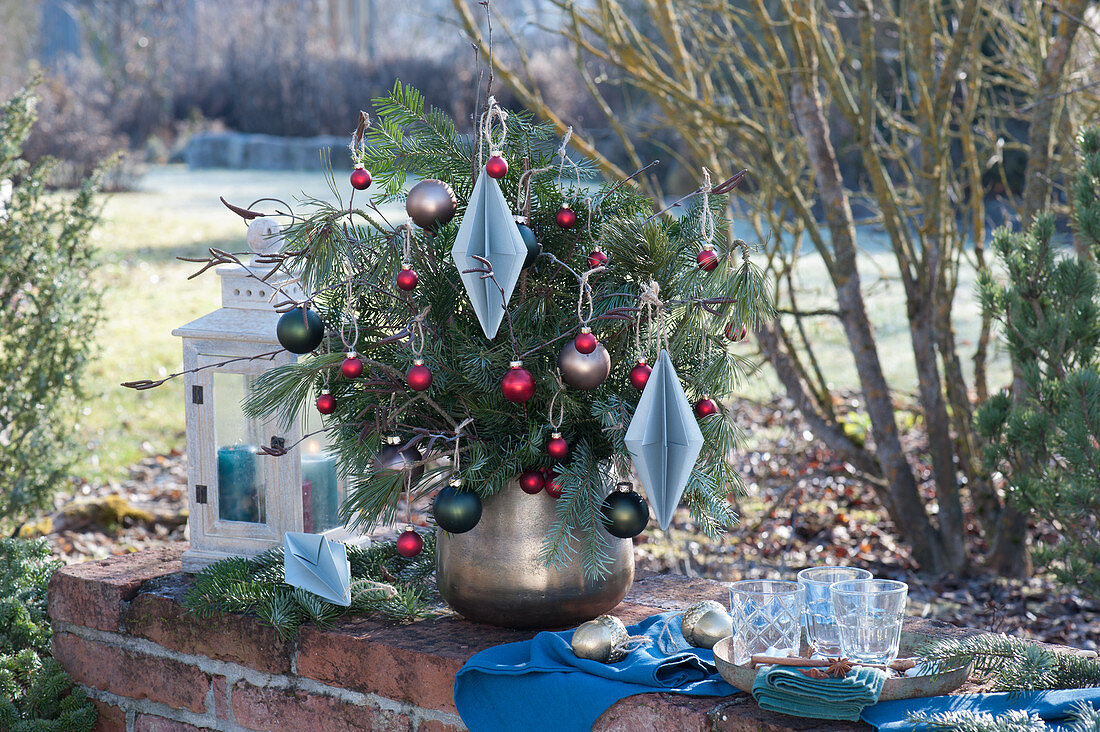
[319,471]
[239,494]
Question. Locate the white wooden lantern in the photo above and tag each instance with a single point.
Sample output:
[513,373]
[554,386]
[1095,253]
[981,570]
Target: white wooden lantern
[242,501]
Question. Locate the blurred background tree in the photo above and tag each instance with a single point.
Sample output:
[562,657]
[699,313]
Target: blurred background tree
[930,120]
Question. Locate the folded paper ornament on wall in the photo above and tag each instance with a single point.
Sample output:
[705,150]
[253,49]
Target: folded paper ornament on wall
[489,230]
[320,566]
[663,439]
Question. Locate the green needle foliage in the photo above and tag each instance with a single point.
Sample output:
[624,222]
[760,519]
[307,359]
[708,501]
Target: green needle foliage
[1014,664]
[382,582]
[1044,435]
[1084,719]
[332,246]
[35,692]
[49,313]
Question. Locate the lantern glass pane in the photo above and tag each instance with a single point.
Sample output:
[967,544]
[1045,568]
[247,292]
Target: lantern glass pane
[322,489]
[240,466]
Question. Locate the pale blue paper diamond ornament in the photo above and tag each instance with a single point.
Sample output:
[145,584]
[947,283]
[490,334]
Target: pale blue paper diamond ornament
[489,230]
[318,565]
[664,440]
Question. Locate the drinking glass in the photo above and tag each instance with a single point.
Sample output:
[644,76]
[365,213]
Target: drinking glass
[820,622]
[869,614]
[767,618]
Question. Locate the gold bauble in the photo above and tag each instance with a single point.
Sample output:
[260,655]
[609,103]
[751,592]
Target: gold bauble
[583,370]
[705,623]
[603,639]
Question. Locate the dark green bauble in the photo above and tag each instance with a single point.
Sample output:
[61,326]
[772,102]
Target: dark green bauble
[625,514]
[300,330]
[533,246]
[456,510]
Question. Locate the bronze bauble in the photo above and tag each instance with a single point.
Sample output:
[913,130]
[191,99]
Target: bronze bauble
[393,456]
[584,370]
[705,623]
[431,204]
[604,639]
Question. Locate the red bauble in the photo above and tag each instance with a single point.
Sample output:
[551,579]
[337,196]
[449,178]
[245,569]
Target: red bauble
[518,385]
[352,367]
[497,167]
[596,259]
[419,376]
[557,447]
[553,487]
[705,407]
[566,217]
[407,279]
[736,336]
[639,375]
[707,260]
[409,543]
[326,403]
[531,481]
[361,179]
[585,342]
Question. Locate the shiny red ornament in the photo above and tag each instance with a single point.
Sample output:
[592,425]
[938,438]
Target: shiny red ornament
[585,342]
[737,336]
[639,375]
[705,407]
[407,279]
[566,217]
[419,376]
[557,447]
[326,403]
[409,544]
[518,385]
[552,487]
[707,259]
[596,258]
[531,481]
[361,179]
[352,367]
[497,166]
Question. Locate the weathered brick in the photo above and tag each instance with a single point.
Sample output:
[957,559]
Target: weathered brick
[221,698]
[161,617]
[130,674]
[92,594]
[285,709]
[153,723]
[434,725]
[111,718]
[741,714]
[656,712]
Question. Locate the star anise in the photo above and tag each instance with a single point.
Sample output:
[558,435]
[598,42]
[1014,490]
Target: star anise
[839,667]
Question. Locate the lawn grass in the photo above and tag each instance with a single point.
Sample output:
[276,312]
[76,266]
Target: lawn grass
[176,212]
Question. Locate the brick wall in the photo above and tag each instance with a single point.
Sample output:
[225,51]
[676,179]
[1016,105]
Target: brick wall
[150,666]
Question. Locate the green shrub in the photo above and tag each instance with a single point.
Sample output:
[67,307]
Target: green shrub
[35,692]
[1044,435]
[49,316]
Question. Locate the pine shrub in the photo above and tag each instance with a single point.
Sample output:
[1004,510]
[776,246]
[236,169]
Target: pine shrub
[49,316]
[1044,434]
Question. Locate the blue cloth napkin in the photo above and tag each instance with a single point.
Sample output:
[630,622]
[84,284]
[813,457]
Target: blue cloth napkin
[1052,706]
[540,686]
[787,690]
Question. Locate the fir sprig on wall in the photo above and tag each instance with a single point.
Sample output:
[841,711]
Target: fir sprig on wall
[383,582]
[333,244]
[1014,664]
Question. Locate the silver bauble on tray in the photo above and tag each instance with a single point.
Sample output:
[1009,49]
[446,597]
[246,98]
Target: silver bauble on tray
[705,623]
[604,639]
[583,370]
[431,204]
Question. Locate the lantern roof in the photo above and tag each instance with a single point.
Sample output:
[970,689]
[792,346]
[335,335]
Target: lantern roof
[247,313]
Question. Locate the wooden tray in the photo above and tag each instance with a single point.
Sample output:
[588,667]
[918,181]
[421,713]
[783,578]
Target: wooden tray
[896,687]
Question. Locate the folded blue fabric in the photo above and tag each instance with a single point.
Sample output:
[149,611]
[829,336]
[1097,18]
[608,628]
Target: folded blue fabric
[1052,706]
[786,689]
[540,686]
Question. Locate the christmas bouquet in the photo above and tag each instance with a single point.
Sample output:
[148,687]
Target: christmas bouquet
[521,330]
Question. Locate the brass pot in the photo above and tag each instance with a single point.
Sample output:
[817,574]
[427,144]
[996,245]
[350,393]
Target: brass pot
[493,573]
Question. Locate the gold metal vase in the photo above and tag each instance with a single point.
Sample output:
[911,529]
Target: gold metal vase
[493,573]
